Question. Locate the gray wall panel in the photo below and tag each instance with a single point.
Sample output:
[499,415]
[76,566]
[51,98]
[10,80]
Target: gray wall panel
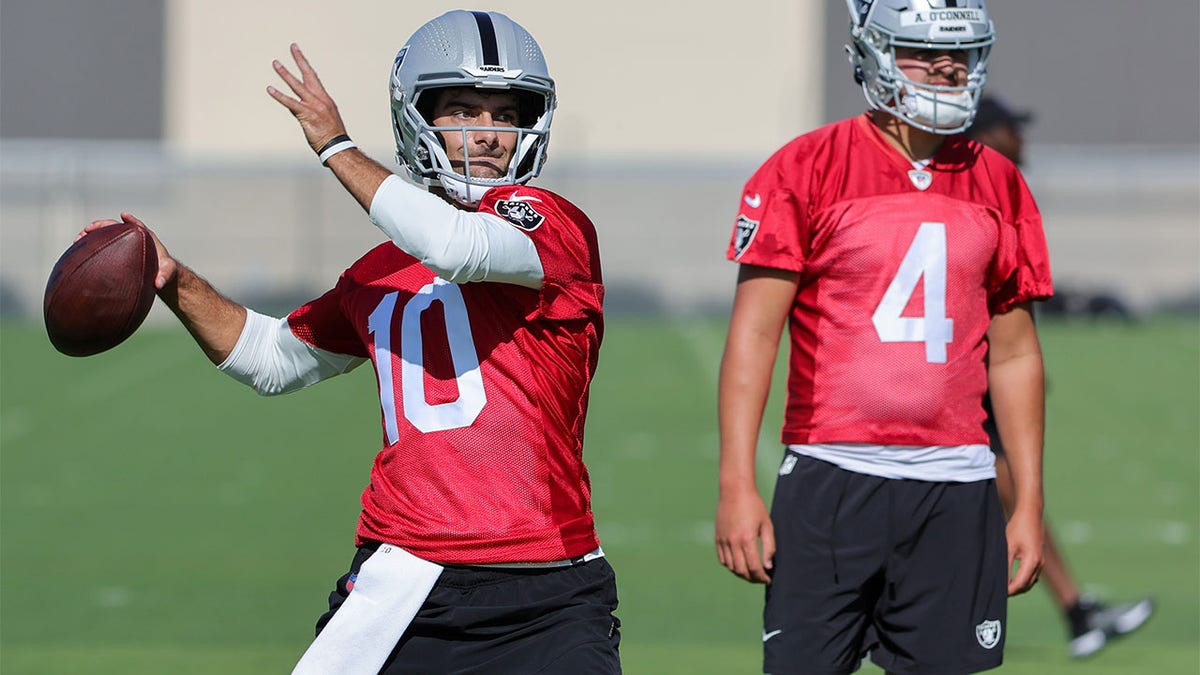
[75,69]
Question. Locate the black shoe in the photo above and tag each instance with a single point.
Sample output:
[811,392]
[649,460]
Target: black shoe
[1094,623]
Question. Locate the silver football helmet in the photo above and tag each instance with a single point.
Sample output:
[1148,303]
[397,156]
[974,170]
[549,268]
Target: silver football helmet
[877,27]
[486,50]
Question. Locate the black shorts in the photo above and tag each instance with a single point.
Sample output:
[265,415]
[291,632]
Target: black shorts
[495,621]
[912,572]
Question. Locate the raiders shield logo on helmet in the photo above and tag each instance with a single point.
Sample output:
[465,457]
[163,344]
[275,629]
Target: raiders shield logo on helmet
[743,235]
[520,213]
[399,59]
[988,634]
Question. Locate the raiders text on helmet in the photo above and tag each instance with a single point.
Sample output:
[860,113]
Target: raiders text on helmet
[486,50]
[877,27]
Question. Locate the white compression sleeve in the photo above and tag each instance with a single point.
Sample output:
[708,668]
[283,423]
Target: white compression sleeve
[459,246]
[272,360]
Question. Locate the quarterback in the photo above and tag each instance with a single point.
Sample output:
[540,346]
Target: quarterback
[482,317]
[904,259]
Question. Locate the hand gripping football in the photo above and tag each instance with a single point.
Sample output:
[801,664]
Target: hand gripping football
[101,289]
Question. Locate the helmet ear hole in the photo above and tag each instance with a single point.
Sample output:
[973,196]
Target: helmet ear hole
[529,156]
[426,100]
[425,104]
[530,107]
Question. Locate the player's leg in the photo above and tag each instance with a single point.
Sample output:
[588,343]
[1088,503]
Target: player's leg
[830,545]
[1056,575]
[1094,623]
[944,605]
[556,621]
[1090,623]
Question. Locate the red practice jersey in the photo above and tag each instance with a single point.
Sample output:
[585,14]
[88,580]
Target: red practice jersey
[483,388]
[900,270]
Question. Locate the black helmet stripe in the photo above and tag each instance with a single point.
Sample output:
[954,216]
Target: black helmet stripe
[487,38]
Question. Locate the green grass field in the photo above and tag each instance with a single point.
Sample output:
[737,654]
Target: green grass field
[159,518]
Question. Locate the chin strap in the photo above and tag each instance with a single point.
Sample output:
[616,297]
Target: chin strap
[467,194]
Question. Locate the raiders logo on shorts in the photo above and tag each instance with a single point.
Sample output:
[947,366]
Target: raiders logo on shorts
[520,213]
[988,634]
[743,235]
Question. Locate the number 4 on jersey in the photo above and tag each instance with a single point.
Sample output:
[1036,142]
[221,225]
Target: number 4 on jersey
[926,257]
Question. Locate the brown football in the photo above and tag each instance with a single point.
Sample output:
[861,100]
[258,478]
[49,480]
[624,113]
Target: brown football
[100,290]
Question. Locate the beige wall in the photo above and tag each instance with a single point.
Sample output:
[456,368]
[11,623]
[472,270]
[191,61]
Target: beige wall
[671,79]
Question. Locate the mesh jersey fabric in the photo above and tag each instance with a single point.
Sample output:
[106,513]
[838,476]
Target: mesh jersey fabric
[839,206]
[483,392]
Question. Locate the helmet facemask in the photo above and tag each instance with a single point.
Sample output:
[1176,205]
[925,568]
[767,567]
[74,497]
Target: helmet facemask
[937,109]
[429,158]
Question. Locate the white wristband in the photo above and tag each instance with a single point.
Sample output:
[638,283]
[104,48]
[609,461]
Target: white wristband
[334,146]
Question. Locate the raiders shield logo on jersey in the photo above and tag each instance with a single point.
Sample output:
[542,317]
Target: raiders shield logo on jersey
[746,229]
[520,213]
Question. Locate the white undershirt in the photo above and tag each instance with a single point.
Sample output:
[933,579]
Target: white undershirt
[271,360]
[937,463]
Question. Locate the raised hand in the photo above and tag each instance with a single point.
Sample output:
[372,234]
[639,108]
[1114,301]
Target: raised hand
[312,106]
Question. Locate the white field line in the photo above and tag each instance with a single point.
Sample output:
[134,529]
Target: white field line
[707,346]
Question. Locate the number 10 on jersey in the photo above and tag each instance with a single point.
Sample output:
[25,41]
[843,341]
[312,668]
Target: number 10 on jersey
[423,415]
[926,257]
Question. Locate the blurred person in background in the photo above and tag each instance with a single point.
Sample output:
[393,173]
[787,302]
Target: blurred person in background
[905,260]
[1090,623]
[482,316]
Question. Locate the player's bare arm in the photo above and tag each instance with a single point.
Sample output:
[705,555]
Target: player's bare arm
[761,304]
[321,122]
[1016,382]
[213,320]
